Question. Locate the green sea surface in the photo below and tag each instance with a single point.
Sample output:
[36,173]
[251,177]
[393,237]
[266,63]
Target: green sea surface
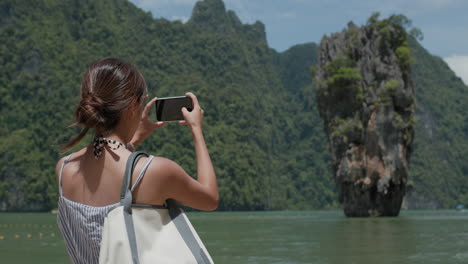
[277,237]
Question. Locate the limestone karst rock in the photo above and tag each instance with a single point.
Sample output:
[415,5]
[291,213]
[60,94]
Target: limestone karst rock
[365,97]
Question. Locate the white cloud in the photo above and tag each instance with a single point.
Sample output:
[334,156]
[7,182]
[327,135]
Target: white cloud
[459,64]
[183,19]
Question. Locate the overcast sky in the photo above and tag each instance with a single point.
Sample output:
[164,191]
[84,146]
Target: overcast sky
[289,22]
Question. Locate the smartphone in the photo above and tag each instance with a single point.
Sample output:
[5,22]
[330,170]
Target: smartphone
[170,108]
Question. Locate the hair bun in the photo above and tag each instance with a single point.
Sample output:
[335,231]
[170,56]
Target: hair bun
[90,111]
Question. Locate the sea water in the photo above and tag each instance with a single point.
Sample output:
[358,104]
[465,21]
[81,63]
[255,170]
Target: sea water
[278,237]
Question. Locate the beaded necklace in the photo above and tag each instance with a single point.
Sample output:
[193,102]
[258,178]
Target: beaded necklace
[99,142]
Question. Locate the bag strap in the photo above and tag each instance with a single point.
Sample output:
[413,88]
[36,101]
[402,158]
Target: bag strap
[175,212]
[127,179]
[183,227]
[126,201]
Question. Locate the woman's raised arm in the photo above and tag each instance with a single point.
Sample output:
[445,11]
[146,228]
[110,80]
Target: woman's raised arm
[201,193]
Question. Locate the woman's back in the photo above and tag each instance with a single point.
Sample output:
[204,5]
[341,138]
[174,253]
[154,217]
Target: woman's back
[97,182]
[84,201]
[90,180]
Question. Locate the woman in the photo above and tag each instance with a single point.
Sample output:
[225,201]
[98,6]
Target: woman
[112,103]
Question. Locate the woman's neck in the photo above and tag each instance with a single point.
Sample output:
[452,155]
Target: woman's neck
[118,136]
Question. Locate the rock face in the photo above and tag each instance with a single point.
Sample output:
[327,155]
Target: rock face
[365,97]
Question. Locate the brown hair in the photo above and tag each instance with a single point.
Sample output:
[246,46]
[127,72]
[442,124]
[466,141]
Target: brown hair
[108,87]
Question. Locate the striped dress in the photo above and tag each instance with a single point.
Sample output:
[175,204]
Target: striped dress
[81,224]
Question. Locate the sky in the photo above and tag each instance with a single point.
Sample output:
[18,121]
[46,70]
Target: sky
[291,22]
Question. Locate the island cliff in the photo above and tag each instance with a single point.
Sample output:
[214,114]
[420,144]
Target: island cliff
[365,97]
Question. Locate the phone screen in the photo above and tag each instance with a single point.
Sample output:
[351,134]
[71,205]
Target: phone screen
[170,108]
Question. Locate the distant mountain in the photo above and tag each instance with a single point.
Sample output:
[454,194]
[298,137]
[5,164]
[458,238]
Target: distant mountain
[261,125]
[438,165]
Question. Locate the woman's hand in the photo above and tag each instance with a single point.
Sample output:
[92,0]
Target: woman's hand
[194,118]
[145,126]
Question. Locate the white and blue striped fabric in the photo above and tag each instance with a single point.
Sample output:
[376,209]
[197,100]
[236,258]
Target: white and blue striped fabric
[81,224]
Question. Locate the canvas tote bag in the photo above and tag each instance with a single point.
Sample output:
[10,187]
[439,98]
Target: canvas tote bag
[149,234]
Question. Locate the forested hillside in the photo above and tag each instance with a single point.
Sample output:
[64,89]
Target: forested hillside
[439,166]
[252,123]
[261,125]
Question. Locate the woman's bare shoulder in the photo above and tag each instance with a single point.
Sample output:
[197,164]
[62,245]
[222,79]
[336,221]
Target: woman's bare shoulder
[58,167]
[167,172]
[163,170]
[153,187]
[162,166]
[75,155]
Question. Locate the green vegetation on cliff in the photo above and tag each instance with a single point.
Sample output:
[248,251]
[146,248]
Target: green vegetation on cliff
[341,94]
